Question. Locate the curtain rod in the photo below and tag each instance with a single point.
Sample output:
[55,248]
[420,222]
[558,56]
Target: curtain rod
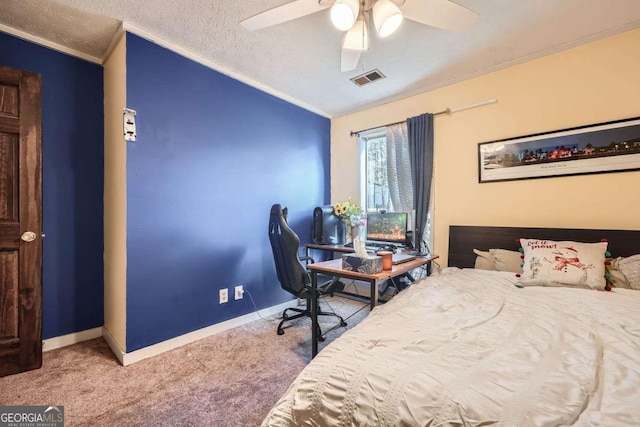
[446,111]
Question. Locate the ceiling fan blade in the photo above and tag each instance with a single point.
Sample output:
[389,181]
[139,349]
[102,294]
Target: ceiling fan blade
[440,13]
[350,59]
[286,12]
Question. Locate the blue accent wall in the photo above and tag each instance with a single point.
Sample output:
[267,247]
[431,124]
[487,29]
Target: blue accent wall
[73,182]
[211,157]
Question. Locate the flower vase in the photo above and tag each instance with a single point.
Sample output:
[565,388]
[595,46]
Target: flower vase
[355,232]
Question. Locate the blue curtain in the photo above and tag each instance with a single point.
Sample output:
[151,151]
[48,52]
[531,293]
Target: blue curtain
[420,132]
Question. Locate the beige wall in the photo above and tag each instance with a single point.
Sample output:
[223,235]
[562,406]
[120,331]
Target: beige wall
[115,196]
[593,83]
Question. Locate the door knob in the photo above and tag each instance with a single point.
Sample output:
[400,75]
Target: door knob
[28,236]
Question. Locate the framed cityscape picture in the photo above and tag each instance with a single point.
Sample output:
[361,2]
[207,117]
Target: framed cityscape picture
[603,147]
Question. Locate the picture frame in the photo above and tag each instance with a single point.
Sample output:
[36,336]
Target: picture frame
[598,148]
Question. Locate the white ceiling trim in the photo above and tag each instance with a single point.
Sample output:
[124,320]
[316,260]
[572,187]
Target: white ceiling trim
[51,45]
[509,34]
[168,45]
[114,41]
[537,55]
[210,64]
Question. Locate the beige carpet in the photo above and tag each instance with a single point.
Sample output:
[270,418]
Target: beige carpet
[230,379]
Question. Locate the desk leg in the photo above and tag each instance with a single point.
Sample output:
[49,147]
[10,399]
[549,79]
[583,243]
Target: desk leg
[314,314]
[374,293]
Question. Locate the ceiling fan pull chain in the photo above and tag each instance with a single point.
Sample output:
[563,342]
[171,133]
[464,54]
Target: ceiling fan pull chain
[364,28]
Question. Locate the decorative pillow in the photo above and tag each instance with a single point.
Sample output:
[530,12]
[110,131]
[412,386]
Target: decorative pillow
[615,277]
[630,267]
[551,263]
[507,260]
[484,260]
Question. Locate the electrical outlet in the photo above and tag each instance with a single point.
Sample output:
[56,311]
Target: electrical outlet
[239,292]
[224,295]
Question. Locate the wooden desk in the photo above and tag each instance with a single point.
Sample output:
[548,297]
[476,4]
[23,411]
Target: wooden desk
[330,248]
[333,268]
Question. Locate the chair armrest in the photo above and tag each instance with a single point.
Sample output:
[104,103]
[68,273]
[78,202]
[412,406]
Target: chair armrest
[306,258]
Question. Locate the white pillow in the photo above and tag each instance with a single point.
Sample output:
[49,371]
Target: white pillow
[616,277]
[551,263]
[506,260]
[484,260]
[630,267]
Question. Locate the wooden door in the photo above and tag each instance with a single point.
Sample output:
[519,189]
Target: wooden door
[20,221]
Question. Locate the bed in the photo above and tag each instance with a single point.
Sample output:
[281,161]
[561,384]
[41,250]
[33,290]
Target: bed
[472,347]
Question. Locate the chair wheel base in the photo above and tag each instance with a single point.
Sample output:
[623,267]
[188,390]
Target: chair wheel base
[280,332]
[321,338]
[343,323]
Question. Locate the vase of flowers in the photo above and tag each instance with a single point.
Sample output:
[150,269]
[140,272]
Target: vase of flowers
[352,216]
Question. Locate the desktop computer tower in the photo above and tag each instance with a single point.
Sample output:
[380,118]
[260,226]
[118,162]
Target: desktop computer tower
[324,226]
[409,239]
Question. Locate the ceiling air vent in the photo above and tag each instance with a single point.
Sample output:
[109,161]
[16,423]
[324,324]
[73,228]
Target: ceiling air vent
[368,77]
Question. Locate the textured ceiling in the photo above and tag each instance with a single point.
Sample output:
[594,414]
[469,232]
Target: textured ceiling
[300,59]
[60,24]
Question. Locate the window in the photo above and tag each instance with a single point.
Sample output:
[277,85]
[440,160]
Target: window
[376,184]
[385,173]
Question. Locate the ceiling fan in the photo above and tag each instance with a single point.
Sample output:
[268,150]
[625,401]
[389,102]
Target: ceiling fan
[353,17]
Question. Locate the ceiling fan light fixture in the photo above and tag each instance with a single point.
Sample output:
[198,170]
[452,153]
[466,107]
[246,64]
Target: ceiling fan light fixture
[344,14]
[387,17]
[357,38]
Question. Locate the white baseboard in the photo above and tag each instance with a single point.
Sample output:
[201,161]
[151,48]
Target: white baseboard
[164,346]
[116,348]
[69,339]
[156,349]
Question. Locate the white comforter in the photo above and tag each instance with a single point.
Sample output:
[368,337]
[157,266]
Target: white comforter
[468,348]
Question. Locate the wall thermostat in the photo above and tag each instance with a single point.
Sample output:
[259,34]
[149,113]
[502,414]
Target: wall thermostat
[129,124]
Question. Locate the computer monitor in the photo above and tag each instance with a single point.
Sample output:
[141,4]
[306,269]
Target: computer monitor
[387,227]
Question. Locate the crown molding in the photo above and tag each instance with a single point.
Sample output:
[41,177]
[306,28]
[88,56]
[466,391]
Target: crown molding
[125,26]
[51,45]
[216,67]
[114,41]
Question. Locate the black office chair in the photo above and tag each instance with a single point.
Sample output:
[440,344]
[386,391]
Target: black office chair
[293,276]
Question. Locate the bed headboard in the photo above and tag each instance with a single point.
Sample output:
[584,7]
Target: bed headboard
[463,239]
